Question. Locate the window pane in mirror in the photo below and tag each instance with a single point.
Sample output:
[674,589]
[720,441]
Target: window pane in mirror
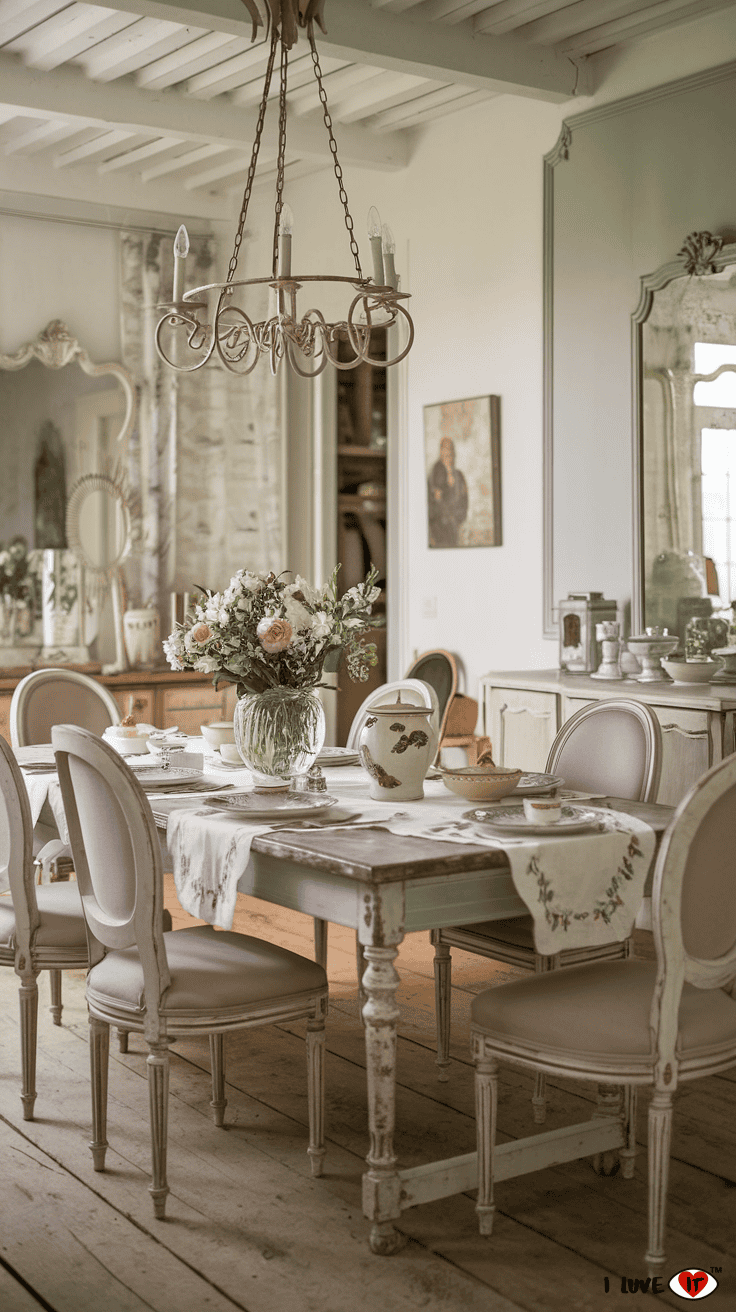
[707,358]
[718,463]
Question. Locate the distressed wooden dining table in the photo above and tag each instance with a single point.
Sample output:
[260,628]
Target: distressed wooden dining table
[384,886]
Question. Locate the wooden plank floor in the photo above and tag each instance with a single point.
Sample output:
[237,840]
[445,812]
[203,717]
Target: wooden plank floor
[248,1228]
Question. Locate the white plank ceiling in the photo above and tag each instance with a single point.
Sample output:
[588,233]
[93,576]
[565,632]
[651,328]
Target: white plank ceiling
[155,104]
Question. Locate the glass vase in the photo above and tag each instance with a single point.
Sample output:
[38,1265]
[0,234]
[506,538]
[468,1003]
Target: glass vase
[279,733]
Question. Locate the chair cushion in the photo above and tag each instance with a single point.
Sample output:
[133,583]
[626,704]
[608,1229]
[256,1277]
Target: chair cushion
[210,970]
[62,919]
[600,1008]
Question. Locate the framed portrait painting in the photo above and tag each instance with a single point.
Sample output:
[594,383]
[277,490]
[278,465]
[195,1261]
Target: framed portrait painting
[462,451]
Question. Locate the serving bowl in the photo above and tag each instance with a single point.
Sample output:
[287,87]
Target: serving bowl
[217,733]
[128,739]
[691,671]
[480,783]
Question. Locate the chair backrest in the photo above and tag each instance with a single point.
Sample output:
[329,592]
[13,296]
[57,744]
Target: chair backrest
[116,854]
[610,747]
[16,853]
[438,668]
[694,902]
[48,697]
[414,691]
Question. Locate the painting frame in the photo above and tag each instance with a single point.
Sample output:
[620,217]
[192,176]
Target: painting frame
[462,457]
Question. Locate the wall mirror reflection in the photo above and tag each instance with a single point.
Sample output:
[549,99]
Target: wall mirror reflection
[685,398]
[64,417]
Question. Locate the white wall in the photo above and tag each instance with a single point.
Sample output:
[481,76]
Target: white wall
[67,271]
[467,216]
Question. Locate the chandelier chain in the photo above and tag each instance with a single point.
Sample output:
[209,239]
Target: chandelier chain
[281,162]
[233,265]
[333,148]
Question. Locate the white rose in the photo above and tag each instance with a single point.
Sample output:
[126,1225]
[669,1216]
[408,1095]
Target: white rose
[207,664]
[321,625]
[297,614]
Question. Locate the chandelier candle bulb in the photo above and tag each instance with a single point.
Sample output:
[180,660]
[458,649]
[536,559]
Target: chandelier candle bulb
[181,250]
[286,228]
[389,251]
[376,235]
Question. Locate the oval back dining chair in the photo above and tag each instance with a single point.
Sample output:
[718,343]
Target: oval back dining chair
[40,929]
[414,691]
[438,668]
[613,748]
[164,985]
[628,1023]
[47,697]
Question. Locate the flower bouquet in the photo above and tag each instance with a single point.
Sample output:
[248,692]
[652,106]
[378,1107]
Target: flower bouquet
[15,585]
[274,639]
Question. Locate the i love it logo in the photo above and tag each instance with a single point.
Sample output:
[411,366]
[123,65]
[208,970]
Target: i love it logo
[693,1284]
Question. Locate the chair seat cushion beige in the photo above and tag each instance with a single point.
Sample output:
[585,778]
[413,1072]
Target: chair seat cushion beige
[210,971]
[62,919]
[600,1009]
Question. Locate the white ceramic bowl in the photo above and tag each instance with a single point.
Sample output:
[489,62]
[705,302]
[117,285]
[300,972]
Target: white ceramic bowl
[178,742]
[127,739]
[218,732]
[691,671]
[542,810]
[480,783]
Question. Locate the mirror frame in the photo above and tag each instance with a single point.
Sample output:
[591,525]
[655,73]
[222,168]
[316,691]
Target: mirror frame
[55,347]
[82,488]
[701,255]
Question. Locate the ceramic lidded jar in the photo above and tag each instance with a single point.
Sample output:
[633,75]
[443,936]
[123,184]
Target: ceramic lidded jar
[397,745]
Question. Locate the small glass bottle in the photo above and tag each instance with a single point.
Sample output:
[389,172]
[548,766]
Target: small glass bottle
[697,639]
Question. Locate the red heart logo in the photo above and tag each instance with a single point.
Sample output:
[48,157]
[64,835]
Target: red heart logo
[692,1281]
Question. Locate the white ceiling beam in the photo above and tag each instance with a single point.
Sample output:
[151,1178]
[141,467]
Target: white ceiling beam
[228,74]
[127,50]
[306,98]
[451,11]
[358,33]
[121,197]
[41,137]
[381,93]
[581,17]
[183,63]
[508,15]
[97,146]
[184,161]
[301,73]
[421,113]
[17,19]
[129,158]
[66,93]
[666,14]
[398,116]
[210,176]
[68,34]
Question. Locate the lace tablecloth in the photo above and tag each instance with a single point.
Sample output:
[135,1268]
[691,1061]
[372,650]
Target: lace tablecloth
[581,889]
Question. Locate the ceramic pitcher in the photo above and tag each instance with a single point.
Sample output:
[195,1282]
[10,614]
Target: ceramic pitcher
[397,746]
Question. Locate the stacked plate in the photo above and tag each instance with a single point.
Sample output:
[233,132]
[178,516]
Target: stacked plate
[274,806]
[330,756]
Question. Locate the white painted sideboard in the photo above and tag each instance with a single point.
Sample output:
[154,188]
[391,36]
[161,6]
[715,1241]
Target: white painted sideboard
[523,710]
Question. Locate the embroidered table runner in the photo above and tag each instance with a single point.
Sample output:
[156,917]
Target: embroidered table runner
[580,889]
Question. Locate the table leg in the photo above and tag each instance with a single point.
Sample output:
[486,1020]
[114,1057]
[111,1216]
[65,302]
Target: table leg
[381,1182]
[320,941]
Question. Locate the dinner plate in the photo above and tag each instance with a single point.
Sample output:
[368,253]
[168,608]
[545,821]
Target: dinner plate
[531,784]
[153,778]
[278,806]
[511,820]
[338,756]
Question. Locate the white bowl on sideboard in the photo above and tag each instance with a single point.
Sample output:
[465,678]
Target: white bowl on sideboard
[691,671]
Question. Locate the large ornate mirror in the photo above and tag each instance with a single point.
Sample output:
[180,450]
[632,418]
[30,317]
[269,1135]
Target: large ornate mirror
[684,336]
[64,417]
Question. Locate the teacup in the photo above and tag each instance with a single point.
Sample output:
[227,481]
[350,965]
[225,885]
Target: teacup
[542,810]
[230,753]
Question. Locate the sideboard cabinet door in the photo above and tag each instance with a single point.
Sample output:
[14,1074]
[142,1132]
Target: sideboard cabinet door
[522,726]
[690,746]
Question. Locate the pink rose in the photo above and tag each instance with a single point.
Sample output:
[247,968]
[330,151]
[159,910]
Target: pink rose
[274,635]
[201,632]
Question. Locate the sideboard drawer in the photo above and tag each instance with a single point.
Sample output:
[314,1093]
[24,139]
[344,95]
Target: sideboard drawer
[191,707]
[522,726]
[143,704]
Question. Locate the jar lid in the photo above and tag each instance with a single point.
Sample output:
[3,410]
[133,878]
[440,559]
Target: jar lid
[399,708]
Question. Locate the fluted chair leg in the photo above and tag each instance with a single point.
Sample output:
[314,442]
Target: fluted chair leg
[486,1103]
[660,1135]
[28,998]
[628,1154]
[158,1093]
[99,1056]
[442,1003]
[316,1091]
[217,1064]
[55,1008]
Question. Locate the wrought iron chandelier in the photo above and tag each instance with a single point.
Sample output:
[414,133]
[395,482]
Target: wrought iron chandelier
[206,320]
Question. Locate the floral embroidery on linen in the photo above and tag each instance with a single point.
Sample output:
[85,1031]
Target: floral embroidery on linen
[604,908]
